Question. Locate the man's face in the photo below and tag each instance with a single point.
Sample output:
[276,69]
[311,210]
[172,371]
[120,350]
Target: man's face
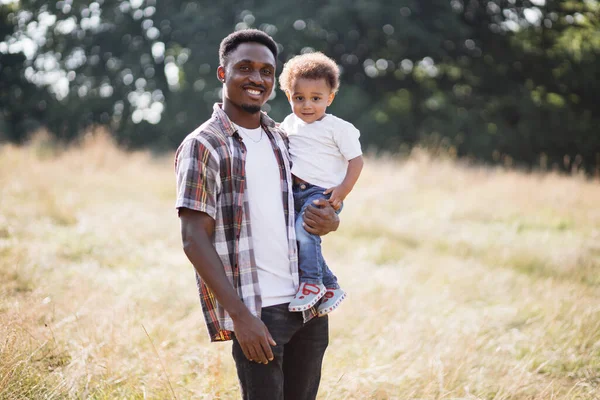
[249,76]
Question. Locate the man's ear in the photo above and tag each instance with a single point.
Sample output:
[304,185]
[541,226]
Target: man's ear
[221,73]
[330,99]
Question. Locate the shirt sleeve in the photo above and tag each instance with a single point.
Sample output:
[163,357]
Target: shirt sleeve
[346,137]
[198,183]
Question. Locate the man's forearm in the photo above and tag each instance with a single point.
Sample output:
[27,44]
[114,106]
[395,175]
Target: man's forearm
[199,249]
[253,336]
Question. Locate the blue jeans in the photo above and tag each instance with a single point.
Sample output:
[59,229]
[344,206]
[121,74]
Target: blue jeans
[295,372]
[312,265]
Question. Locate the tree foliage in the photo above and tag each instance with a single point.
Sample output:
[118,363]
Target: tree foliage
[498,80]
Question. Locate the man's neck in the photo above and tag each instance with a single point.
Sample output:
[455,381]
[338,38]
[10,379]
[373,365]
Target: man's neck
[241,117]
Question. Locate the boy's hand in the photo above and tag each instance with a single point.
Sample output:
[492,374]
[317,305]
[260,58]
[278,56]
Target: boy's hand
[338,194]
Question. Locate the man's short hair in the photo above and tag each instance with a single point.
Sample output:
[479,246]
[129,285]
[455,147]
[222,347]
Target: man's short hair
[233,40]
[310,66]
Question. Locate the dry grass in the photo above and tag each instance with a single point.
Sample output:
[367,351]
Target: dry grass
[464,283]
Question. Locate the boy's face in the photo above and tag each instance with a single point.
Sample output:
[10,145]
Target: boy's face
[310,98]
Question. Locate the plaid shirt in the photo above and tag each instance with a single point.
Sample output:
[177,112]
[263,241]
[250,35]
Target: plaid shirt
[210,169]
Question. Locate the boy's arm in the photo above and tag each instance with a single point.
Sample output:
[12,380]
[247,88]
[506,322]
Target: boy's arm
[355,167]
[339,193]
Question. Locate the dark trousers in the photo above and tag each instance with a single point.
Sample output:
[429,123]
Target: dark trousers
[295,372]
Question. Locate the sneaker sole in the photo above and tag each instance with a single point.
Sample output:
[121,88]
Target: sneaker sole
[309,305]
[329,309]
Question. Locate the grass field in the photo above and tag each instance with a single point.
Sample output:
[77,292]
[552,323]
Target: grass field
[464,283]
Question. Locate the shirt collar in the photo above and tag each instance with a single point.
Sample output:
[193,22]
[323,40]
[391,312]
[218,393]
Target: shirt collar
[229,127]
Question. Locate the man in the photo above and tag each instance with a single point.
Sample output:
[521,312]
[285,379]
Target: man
[236,208]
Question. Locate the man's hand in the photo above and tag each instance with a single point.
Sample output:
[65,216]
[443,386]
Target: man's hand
[338,194]
[254,338]
[320,218]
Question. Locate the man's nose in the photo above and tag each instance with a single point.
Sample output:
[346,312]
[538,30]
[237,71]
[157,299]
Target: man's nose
[256,77]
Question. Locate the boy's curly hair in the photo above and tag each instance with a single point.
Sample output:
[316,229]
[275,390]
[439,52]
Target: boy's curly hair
[310,66]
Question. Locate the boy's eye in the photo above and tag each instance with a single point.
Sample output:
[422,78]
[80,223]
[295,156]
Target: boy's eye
[299,98]
[316,98]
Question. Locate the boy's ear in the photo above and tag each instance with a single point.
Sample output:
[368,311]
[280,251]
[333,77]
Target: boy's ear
[288,95]
[330,99]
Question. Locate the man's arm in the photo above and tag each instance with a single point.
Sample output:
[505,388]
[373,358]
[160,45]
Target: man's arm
[320,218]
[197,229]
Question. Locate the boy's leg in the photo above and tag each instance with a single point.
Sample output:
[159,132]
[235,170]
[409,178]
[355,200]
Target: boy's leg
[329,279]
[333,296]
[310,259]
[310,262]
[260,381]
[303,360]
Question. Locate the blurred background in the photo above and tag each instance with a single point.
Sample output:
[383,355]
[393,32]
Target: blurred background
[503,81]
[466,280]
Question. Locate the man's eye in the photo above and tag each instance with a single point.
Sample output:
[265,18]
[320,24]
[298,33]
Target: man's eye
[244,68]
[267,71]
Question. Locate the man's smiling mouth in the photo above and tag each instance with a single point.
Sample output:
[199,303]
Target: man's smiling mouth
[254,92]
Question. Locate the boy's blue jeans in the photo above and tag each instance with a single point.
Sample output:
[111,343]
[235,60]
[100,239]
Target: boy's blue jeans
[311,263]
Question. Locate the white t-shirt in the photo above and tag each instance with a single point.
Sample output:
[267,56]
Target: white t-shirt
[269,232]
[320,150]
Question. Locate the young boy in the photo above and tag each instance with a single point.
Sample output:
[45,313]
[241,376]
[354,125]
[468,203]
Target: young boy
[327,161]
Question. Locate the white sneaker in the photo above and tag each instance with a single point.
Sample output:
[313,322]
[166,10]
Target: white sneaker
[331,300]
[308,295]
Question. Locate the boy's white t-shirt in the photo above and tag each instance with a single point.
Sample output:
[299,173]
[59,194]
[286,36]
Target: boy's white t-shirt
[321,150]
[269,230]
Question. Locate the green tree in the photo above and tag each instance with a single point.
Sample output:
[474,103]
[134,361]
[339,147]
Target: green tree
[493,79]
[22,104]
